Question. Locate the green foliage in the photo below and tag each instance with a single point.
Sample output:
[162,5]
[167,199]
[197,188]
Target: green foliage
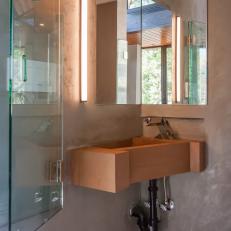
[169,75]
[151,76]
[137,3]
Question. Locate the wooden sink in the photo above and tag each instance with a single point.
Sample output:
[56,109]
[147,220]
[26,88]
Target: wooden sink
[114,166]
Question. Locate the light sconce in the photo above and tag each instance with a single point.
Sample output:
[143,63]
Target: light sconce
[178,58]
[84,50]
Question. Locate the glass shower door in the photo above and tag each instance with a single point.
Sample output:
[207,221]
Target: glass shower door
[36,113]
[4,114]
[197,50]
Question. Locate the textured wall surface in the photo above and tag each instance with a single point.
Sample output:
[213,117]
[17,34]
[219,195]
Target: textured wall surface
[203,200]
[84,209]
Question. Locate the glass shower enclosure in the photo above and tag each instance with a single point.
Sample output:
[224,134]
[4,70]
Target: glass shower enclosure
[30,113]
[4,114]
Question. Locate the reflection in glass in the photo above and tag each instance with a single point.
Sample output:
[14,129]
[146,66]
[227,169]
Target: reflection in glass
[4,114]
[151,76]
[118,53]
[136,3]
[132,30]
[182,38]
[156,54]
[169,76]
[197,63]
[36,113]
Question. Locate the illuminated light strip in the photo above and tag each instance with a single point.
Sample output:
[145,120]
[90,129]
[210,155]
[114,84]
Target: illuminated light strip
[84,50]
[178,59]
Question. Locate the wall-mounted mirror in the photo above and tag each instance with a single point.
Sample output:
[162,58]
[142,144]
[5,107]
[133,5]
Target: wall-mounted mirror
[151,52]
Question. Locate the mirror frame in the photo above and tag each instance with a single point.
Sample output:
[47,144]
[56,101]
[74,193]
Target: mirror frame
[155,110]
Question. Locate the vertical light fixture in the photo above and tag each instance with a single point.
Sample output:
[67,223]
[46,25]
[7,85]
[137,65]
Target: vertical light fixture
[178,59]
[84,50]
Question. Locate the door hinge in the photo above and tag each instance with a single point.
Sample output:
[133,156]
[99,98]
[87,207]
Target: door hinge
[56,171]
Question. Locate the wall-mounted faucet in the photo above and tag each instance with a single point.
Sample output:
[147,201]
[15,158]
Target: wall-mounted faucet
[166,131]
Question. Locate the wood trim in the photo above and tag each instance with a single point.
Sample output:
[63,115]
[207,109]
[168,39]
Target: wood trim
[197,158]
[100,168]
[116,168]
[154,163]
[134,38]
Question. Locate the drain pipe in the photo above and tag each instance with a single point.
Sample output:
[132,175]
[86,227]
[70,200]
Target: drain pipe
[142,218]
[145,221]
[153,218]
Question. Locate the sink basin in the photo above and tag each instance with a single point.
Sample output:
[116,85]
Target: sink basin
[133,142]
[113,166]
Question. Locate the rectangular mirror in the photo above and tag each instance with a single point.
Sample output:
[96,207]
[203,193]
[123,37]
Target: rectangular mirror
[151,52]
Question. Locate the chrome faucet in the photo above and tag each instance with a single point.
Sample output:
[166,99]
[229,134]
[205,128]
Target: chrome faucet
[166,131]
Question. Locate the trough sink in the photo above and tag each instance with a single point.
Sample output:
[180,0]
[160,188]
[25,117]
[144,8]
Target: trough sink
[114,166]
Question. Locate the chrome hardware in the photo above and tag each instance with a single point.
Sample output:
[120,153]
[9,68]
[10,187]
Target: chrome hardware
[38,197]
[55,196]
[166,131]
[148,122]
[168,204]
[55,171]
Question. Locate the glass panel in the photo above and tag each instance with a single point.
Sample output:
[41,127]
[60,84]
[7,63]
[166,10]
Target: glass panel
[168,25]
[118,50]
[122,81]
[197,63]
[4,114]
[128,73]
[36,113]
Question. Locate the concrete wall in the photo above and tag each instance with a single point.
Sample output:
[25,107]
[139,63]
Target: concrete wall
[195,10]
[203,200]
[84,209]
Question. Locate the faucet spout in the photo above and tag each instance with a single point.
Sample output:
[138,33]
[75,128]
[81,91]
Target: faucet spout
[166,131]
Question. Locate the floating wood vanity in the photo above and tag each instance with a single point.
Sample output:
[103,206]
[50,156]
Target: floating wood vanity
[115,166]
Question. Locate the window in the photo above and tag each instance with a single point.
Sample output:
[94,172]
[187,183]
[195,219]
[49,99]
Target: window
[169,75]
[157,75]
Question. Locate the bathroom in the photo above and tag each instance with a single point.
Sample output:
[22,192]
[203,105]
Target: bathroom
[49,112]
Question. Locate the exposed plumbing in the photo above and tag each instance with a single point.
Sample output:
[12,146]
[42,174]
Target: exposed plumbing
[147,221]
[166,132]
[153,218]
[140,214]
[168,204]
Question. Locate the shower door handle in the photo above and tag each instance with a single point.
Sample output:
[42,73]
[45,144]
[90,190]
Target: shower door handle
[55,171]
[24,68]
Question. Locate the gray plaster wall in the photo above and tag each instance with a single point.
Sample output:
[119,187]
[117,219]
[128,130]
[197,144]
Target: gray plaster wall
[85,209]
[84,124]
[195,10]
[203,200]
